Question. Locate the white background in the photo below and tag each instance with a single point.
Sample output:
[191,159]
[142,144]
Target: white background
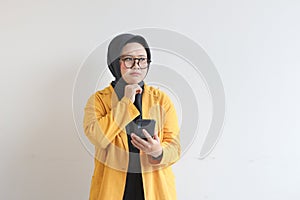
[254,45]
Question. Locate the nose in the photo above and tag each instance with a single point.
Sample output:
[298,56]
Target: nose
[136,64]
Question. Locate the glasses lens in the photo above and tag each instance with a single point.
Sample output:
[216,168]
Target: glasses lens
[143,63]
[128,62]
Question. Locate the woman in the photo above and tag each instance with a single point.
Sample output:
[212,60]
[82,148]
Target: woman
[128,167]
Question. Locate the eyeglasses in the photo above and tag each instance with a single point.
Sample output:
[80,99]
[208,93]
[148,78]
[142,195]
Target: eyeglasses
[129,62]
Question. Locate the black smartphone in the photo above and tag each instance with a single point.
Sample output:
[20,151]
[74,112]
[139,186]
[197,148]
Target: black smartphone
[148,124]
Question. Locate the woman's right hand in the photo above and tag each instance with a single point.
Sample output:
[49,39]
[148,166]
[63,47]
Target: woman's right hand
[132,90]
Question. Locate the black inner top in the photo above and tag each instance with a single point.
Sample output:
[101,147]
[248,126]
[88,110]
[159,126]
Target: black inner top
[134,182]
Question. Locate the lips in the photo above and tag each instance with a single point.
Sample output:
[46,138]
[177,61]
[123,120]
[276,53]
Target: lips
[135,74]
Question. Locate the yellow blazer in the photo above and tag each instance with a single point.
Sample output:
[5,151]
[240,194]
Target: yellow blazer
[104,124]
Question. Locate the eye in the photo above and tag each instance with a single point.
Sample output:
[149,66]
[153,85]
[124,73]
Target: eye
[128,59]
[142,59]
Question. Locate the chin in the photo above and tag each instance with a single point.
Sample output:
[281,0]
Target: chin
[133,81]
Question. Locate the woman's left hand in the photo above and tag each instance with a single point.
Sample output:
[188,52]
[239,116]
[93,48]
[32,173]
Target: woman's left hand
[151,147]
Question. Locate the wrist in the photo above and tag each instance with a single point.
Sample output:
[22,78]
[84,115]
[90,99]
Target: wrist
[157,156]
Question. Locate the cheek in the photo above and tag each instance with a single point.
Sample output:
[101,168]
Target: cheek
[144,72]
[123,69]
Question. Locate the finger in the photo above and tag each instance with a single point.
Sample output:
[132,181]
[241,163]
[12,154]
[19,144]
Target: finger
[156,137]
[147,135]
[139,90]
[134,139]
[138,146]
[139,140]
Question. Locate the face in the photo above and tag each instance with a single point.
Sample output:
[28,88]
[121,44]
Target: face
[135,74]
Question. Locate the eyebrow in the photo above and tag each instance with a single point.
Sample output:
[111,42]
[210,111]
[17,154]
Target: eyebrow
[133,55]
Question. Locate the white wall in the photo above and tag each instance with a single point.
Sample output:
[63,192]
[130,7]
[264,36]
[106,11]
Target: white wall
[254,45]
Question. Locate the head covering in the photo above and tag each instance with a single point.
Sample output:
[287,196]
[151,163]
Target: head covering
[114,51]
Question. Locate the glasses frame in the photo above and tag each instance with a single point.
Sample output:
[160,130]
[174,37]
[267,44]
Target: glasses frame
[122,58]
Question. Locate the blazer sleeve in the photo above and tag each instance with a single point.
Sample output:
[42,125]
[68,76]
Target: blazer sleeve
[101,126]
[171,140]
